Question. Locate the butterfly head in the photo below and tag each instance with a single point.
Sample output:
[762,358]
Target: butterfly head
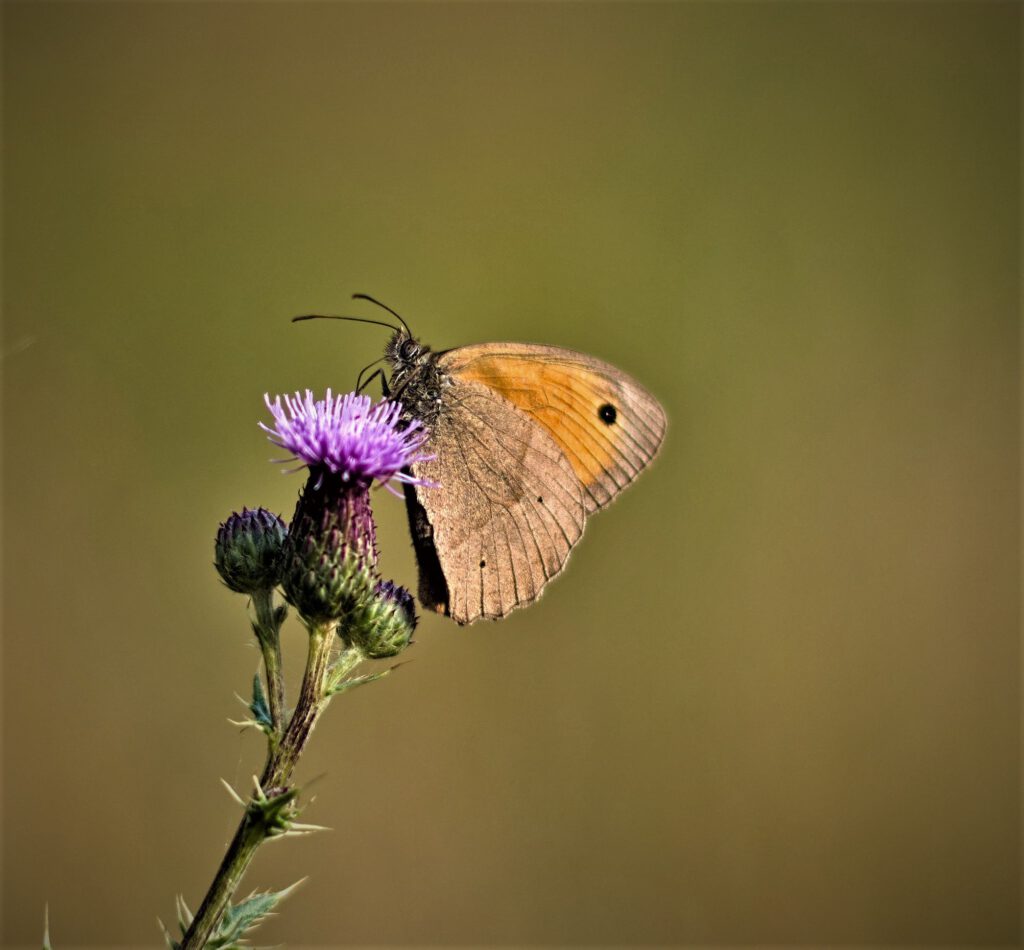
[403,351]
[405,354]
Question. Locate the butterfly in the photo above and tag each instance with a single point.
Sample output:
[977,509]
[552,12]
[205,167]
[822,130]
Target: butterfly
[527,441]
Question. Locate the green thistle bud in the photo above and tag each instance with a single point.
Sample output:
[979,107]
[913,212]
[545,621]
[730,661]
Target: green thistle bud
[247,550]
[386,623]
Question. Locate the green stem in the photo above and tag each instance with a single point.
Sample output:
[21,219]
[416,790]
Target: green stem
[247,839]
[312,701]
[269,636]
[251,831]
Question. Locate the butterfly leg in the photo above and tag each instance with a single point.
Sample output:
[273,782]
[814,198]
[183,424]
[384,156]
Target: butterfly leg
[385,389]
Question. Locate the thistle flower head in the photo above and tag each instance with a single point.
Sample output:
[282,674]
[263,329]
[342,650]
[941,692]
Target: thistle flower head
[330,554]
[347,435]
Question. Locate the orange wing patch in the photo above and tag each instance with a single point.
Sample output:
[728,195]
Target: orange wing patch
[561,399]
[607,425]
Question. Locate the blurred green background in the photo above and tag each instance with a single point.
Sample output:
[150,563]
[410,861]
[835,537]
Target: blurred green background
[775,697]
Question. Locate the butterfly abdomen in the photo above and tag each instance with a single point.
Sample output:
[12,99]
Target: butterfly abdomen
[433,590]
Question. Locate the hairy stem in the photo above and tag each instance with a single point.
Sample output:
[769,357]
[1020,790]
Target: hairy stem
[312,701]
[253,831]
[269,636]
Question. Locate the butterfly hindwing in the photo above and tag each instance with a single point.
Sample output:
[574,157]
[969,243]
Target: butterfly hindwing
[503,512]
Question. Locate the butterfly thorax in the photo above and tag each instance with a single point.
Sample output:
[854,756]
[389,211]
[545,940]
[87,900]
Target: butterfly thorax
[416,379]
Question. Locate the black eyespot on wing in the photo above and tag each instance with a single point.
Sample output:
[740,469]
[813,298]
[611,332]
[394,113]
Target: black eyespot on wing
[483,564]
[607,414]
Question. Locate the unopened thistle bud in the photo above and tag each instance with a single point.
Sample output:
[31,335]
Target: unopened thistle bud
[386,623]
[330,554]
[247,550]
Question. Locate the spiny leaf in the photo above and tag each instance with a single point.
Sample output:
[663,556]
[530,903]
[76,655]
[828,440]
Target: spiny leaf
[297,829]
[344,685]
[172,944]
[276,812]
[245,723]
[245,916]
[345,662]
[185,915]
[259,707]
[238,798]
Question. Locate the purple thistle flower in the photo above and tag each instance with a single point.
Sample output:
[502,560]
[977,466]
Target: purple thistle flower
[348,436]
[329,560]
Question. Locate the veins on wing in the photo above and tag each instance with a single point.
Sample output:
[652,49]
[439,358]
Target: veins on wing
[482,455]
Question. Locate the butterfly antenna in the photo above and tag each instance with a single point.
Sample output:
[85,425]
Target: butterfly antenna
[323,316]
[383,306]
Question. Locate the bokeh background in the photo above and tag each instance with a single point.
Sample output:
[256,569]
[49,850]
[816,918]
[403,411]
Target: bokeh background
[775,697]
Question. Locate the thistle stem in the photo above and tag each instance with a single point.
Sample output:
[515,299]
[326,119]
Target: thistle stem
[247,839]
[312,701]
[252,831]
[268,634]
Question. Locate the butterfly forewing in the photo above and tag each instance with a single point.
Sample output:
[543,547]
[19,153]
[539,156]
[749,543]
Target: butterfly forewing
[606,424]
